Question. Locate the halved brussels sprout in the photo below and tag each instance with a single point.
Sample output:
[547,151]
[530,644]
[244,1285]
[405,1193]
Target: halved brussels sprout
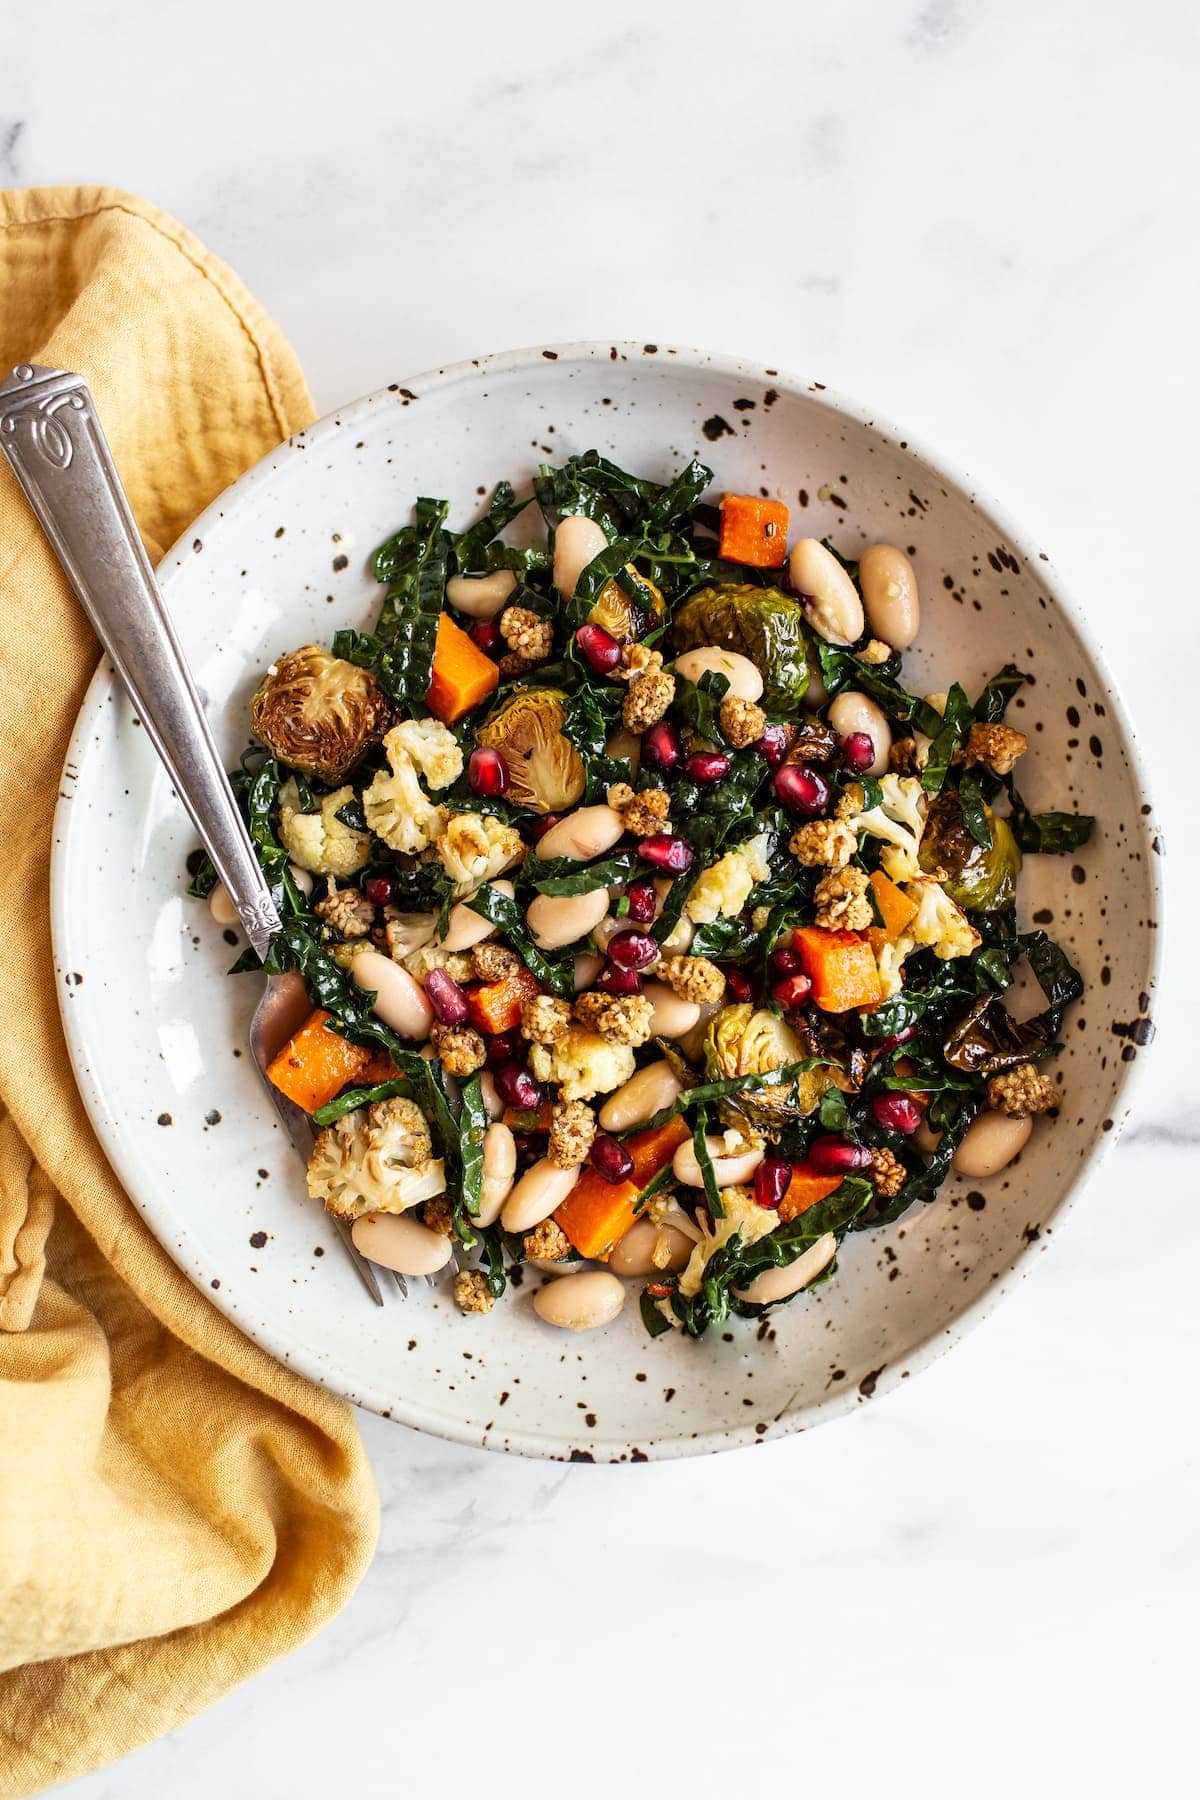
[763,623]
[976,879]
[747,1040]
[318,714]
[545,770]
[625,617]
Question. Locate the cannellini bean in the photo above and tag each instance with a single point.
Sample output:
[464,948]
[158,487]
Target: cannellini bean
[411,931]
[401,1243]
[644,1094]
[220,905]
[587,967]
[493,1105]
[580,1302]
[399,999]
[990,1143]
[831,603]
[745,681]
[729,1170]
[778,1284]
[542,1188]
[565,1265]
[588,831]
[465,929]
[673,1015]
[555,921]
[302,879]
[647,1247]
[889,588]
[691,1044]
[481,596]
[852,712]
[604,933]
[577,542]
[499,1169]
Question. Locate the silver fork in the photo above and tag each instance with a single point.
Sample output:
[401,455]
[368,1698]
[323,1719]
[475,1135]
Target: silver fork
[52,437]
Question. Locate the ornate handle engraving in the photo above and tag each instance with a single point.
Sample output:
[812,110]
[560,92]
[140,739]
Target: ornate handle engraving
[51,436]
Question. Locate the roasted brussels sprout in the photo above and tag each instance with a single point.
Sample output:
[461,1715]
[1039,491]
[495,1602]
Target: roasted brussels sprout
[760,622]
[745,1040]
[976,879]
[545,770]
[625,617]
[317,713]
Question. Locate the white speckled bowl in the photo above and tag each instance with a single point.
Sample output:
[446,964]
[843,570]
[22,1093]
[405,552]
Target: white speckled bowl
[157,1032]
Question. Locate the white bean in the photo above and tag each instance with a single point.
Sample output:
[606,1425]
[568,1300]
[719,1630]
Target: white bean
[302,879]
[499,1168]
[398,1242]
[465,929]
[220,905]
[481,596]
[604,933]
[557,920]
[831,603]
[580,1302]
[634,1254]
[674,1016]
[990,1143]
[745,681]
[889,586]
[644,1094]
[588,831]
[852,712]
[493,1105]
[730,1171]
[399,999]
[577,542]
[691,1044]
[540,1190]
[587,967]
[778,1284]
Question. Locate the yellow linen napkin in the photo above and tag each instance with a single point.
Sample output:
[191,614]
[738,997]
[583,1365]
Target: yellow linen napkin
[176,1509]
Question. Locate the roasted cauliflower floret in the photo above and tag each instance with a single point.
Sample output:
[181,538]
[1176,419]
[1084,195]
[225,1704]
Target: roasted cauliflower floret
[432,747]
[319,841]
[317,713]
[939,925]
[396,806]
[583,1063]
[621,1018]
[997,747]
[898,821]
[349,913]
[474,847]
[724,889]
[743,1215]
[572,1128]
[823,844]
[693,978]
[841,901]
[742,721]
[378,1159]
[1022,1092]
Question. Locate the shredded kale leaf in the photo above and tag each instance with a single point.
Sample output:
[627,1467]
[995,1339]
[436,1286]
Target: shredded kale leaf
[557,971]
[1048,833]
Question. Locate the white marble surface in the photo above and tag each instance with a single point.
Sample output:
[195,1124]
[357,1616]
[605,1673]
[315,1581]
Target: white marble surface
[979,216]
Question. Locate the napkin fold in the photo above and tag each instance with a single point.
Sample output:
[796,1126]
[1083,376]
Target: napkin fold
[176,1508]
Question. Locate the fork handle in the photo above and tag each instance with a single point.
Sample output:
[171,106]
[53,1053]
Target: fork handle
[51,435]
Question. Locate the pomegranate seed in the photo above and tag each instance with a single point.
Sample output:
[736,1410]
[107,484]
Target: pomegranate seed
[487,773]
[504,1047]
[802,789]
[773,744]
[837,1156]
[598,648]
[632,949]
[446,997]
[643,900]
[771,1179]
[670,853]
[541,826]
[896,1112]
[785,962]
[793,990]
[516,1087]
[485,635]
[378,889]
[739,984]
[612,980]
[858,752]
[609,1157]
[706,766]
[660,746]
[893,1043]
